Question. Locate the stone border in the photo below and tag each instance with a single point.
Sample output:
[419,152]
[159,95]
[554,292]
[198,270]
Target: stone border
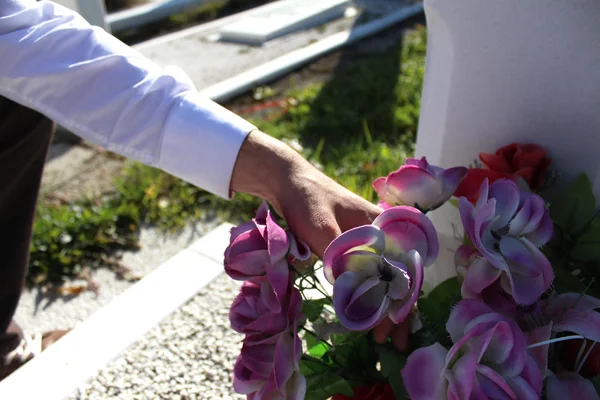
[80,354]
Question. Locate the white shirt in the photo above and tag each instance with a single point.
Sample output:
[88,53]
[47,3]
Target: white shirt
[53,61]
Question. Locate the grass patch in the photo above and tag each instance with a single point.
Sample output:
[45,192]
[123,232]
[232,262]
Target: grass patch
[356,127]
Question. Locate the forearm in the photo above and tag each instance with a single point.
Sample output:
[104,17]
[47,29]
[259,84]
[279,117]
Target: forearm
[53,61]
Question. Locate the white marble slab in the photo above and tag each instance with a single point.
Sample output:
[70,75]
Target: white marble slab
[287,17]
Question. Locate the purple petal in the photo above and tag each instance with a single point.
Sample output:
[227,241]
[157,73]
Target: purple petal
[493,385]
[462,256]
[508,347]
[283,361]
[539,354]
[238,230]
[296,387]
[380,186]
[277,240]
[461,377]
[421,375]
[529,271]
[278,276]
[262,212]
[343,289]
[520,220]
[244,380]
[401,226]
[577,301]
[464,312]
[543,233]
[419,162]
[532,378]
[270,298]
[584,323]
[366,299]
[258,358]
[538,211]
[481,275]
[246,242]
[484,191]
[247,265]
[496,344]
[298,249]
[399,309]
[413,186]
[507,197]
[451,178]
[569,385]
[367,237]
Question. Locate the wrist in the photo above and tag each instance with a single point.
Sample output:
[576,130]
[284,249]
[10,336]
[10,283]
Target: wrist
[263,165]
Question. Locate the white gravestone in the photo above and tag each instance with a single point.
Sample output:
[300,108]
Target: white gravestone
[283,18]
[508,71]
[94,11]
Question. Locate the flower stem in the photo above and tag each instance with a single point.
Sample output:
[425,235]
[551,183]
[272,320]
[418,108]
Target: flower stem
[561,339]
[585,357]
[313,334]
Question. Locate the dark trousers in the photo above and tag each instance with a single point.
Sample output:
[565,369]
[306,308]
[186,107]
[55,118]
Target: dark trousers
[25,137]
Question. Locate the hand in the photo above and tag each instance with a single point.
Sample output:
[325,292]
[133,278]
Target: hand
[316,208]
[398,332]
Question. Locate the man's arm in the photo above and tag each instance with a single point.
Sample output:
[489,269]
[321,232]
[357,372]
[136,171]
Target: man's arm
[53,61]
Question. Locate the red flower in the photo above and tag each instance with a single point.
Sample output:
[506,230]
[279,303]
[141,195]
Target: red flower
[469,186]
[568,355]
[528,161]
[378,391]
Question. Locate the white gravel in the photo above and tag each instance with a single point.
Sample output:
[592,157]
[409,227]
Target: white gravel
[189,355]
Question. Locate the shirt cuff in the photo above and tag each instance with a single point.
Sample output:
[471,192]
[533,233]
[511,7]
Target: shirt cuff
[201,143]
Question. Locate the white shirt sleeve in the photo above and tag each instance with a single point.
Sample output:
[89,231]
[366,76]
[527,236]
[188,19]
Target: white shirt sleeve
[53,61]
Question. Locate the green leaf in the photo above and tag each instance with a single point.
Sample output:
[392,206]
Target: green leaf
[391,360]
[596,382]
[438,302]
[313,309]
[312,366]
[587,246]
[574,207]
[316,348]
[323,386]
[397,384]
[565,282]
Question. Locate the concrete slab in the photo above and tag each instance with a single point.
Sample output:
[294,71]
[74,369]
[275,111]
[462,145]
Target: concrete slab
[289,16]
[208,61]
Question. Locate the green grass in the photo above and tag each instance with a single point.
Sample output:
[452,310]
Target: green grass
[356,127]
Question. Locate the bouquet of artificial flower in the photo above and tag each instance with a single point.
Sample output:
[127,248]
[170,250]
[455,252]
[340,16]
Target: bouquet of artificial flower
[519,320]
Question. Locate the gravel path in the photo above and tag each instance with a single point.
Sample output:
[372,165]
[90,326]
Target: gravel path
[188,356]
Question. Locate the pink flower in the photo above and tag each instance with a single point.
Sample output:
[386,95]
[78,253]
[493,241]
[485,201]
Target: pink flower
[419,184]
[569,385]
[260,247]
[377,269]
[269,368]
[507,227]
[488,360]
[250,314]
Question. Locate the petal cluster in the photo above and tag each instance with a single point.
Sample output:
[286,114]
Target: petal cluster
[419,184]
[377,269]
